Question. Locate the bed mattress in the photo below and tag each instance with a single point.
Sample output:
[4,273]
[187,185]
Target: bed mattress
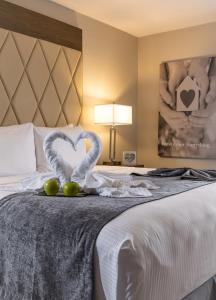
[155,251]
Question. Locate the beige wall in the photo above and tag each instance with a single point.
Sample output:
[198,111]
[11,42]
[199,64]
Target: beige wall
[110,64]
[152,50]
[109,68]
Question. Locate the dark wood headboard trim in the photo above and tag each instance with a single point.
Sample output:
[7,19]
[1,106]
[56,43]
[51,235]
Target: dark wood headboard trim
[25,21]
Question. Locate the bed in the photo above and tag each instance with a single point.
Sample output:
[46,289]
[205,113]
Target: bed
[162,250]
[158,250]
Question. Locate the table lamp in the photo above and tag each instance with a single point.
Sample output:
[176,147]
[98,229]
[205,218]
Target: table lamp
[113,115]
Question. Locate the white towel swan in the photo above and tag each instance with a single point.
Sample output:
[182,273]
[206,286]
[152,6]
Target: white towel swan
[93,182]
[91,158]
[61,168]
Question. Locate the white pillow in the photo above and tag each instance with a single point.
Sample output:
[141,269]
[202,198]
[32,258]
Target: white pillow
[17,150]
[63,148]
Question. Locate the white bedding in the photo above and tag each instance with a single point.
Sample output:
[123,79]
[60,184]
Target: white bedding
[161,250]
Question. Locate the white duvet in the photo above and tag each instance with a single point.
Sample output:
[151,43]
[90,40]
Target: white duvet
[160,250]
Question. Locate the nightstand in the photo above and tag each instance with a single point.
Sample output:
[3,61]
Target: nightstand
[118,164]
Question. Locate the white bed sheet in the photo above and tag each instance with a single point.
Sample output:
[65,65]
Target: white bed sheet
[11,184]
[161,250]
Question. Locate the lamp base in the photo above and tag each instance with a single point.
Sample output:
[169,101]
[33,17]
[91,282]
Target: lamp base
[112,163]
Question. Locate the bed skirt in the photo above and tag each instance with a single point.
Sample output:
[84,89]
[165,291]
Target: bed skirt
[206,291]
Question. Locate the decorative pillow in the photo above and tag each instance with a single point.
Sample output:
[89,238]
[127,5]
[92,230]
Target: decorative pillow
[17,150]
[63,148]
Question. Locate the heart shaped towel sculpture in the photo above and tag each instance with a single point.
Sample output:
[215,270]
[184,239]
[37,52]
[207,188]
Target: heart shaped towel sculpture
[93,182]
[62,169]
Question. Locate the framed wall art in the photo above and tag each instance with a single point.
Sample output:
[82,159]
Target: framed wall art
[187,114]
[129,158]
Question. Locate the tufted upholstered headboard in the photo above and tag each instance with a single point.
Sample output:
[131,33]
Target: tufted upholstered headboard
[40,69]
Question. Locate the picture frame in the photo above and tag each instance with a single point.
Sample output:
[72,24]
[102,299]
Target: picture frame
[187,113]
[129,158]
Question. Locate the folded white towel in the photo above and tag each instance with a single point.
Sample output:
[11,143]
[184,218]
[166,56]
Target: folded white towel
[97,182]
[116,185]
[125,192]
[101,183]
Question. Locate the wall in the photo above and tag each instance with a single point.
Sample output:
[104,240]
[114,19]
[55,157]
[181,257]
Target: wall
[109,69]
[110,73]
[152,50]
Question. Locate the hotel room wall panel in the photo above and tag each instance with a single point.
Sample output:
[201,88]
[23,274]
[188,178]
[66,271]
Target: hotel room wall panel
[40,81]
[109,60]
[16,18]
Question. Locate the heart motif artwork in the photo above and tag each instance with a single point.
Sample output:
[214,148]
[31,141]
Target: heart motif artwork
[187,90]
[187,97]
[130,157]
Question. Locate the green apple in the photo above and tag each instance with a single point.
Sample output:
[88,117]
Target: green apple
[71,188]
[51,187]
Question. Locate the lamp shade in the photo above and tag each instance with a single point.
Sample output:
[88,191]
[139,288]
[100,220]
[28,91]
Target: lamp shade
[113,114]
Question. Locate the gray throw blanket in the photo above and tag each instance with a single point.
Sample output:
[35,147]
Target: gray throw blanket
[185,173]
[47,243]
[207,291]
